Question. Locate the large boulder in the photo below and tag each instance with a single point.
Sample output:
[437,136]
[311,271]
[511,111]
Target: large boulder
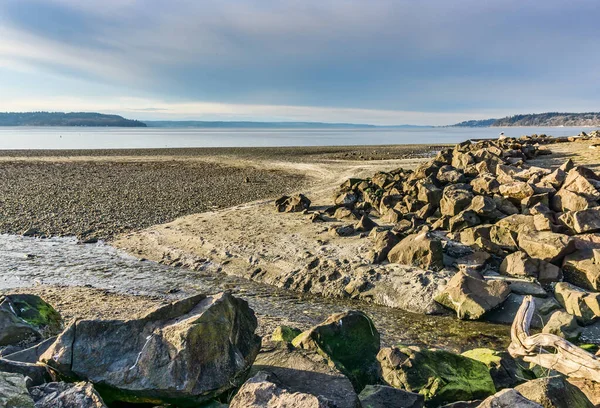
[455,198]
[516,190]
[520,264]
[295,203]
[13,392]
[350,342]
[508,398]
[555,392]
[486,184]
[66,395]
[584,221]
[306,372]
[420,250]
[546,245]
[565,200]
[384,242]
[505,371]
[580,303]
[186,352]
[26,317]
[563,324]
[440,376]
[578,183]
[582,268]
[264,391]
[471,296]
[382,396]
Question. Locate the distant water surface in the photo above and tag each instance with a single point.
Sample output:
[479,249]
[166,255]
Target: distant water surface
[131,138]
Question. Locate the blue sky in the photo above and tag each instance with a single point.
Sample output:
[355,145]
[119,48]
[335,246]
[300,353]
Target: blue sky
[376,61]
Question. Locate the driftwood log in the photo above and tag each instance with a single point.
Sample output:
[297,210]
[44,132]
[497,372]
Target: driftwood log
[548,350]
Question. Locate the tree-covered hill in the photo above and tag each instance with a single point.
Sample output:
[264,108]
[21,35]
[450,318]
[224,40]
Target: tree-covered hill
[65,119]
[539,119]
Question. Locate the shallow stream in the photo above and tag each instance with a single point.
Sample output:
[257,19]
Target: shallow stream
[26,262]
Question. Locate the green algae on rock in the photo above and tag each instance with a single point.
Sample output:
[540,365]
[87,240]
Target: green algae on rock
[350,342]
[285,334]
[26,317]
[440,376]
[505,370]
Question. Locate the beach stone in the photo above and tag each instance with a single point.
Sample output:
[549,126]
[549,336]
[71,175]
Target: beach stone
[384,242]
[486,184]
[553,392]
[347,199]
[428,192]
[418,250]
[26,317]
[345,214]
[519,264]
[576,182]
[382,396]
[305,372]
[483,206]
[578,302]
[555,178]
[350,342]
[504,370]
[582,268]
[440,376]
[546,245]
[565,200]
[263,391]
[455,198]
[505,205]
[13,392]
[517,190]
[468,236]
[462,220]
[341,230]
[295,203]
[584,221]
[449,174]
[506,312]
[285,334]
[365,224]
[66,395]
[471,296]
[563,324]
[188,351]
[508,398]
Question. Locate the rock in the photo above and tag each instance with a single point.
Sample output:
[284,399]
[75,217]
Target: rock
[285,334]
[578,302]
[382,396]
[582,268]
[341,230]
[565,200]
[295,203]
[188,351]
[471,296]
[546,245]
[13,392]
[429,193]
[350,342]
[449,174]
[440,376]
[504,205]
[468,236]
[32,354]
[343,213]
[508,398]
[347,199]
[505,313]
[554,392]
[517,190]
[418,250]
[486,184]
[455,198]
[26,317]
[483,206]
[504,370]
[65,395]
[306,372]
[392,217]
[264,391]
[462,220]
[365,224]
[576,182]
[590,388]
[521,264]
[384,242]
[564,325]
[584,221]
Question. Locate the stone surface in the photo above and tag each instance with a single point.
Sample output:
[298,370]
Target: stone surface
[582,268]
[546,245]
[295,203]
[440,376]
[66,395]
[382,396]
[505,371]
[13,392]
[554,392]
[517,190]
[285,334]
[350,342]
[564,325]
[583,221]
[26,317]
[455,198]
[471,296]
[185,352]
[418,250]
[578,302]
[508,398]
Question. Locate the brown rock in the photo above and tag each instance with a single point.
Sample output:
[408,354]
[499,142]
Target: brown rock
[582,268]
[583,221]
[419,250]
[546,245]
[486,183]
[455,198]
[517,190]
[578,302]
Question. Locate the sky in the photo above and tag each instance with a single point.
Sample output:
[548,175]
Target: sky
[427,62]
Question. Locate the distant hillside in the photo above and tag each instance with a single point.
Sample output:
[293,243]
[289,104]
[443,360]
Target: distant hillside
[538,119]
[247,124]
[65,119]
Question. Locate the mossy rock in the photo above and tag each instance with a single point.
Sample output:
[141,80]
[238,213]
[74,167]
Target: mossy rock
[440,376]
[505,370]
[350,342]
[35,311]
[285,334]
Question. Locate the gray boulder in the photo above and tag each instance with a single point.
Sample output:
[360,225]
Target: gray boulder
[66,395]
[26,318]
[13,392]
[382,396]
[188,351]
[508,398]
[555,392]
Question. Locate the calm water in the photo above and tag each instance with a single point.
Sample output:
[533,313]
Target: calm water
[111,138]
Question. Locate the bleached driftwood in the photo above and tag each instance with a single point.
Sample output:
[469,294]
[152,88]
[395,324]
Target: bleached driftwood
[566,358]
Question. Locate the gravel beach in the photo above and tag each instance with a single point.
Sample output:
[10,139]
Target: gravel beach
[97,194]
